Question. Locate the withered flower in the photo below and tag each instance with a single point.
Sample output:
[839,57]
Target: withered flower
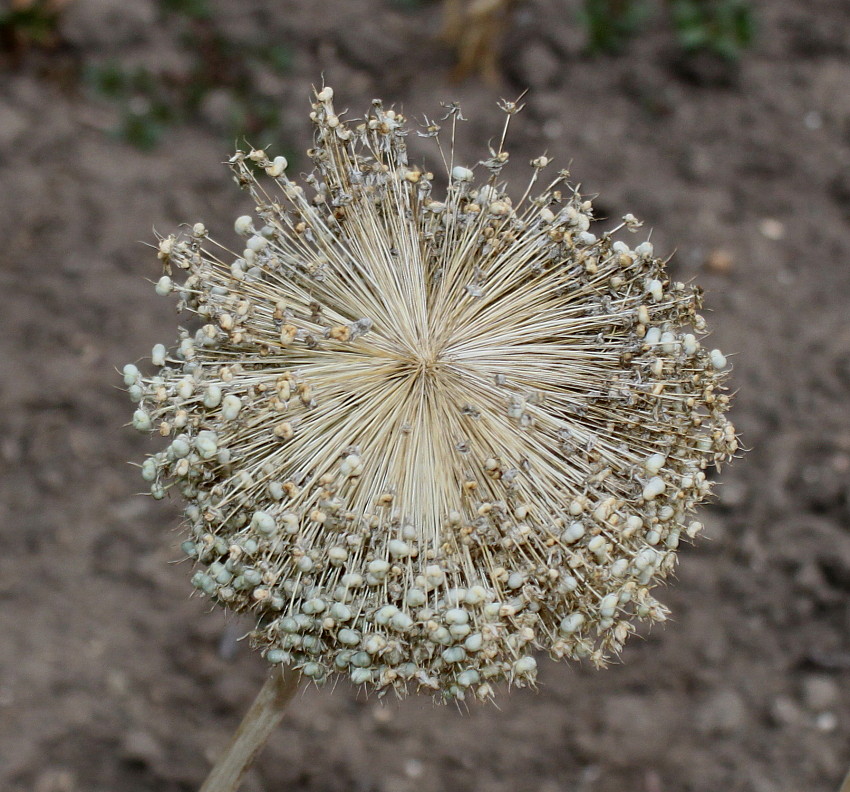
[422,438]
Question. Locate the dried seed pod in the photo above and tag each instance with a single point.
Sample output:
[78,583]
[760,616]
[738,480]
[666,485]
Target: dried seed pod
[421,439]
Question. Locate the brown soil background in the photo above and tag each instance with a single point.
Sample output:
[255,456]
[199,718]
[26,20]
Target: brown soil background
[112,679]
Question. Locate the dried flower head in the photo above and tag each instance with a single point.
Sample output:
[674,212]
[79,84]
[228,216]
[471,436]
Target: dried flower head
[421,438]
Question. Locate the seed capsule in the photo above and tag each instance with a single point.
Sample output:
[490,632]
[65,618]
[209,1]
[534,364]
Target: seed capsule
[654,487]
[461,174]
[230,407]
[277,167]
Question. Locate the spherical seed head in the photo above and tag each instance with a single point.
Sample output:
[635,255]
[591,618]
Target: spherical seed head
[421,438]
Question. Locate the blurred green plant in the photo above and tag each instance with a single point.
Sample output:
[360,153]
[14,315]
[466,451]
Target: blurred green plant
[145,127]
[721,27]
[26,24]
[220,84]
[145,108]
[194,9]
[609,24]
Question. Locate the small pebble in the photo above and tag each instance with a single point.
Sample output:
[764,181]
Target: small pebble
[719,262]
[772,229]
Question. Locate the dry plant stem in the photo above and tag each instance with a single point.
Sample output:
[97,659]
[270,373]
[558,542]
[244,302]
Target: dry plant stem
[260,721]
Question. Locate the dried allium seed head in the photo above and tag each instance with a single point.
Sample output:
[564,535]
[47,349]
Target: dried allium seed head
[422,438]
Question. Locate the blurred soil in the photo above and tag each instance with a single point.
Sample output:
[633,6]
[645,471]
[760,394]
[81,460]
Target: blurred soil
[113,678]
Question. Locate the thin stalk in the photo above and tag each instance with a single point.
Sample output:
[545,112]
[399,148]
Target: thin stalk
[252,734]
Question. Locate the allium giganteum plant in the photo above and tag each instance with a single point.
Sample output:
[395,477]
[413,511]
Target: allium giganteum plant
[423,437]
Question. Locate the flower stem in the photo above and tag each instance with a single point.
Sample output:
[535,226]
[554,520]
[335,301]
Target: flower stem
[251,736]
